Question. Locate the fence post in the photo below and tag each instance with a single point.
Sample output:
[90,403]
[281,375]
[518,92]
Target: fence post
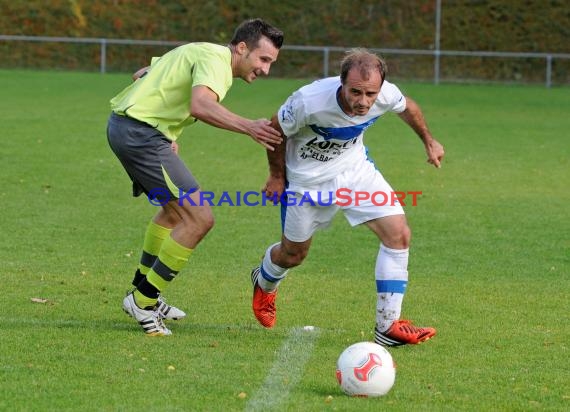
[436,67]
[548,70]
[437,41]
[103,56]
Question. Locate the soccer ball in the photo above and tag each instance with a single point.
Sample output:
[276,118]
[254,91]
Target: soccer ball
[365,369]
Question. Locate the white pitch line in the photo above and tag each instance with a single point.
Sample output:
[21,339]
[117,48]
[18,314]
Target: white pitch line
[286,371]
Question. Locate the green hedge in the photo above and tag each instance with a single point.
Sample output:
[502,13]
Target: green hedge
[529,26]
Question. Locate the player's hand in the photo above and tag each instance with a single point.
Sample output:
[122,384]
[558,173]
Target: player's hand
[263,133]
[174,147]
[435,152]
[274,187]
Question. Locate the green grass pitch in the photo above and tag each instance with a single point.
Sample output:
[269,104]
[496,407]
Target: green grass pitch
[489,264]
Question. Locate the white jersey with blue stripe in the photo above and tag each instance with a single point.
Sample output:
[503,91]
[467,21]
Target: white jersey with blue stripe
[322,140]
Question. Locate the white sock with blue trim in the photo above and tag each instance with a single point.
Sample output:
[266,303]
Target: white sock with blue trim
[391,283]
[271,274]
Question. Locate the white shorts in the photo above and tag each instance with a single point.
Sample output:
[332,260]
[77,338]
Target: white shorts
[361,193]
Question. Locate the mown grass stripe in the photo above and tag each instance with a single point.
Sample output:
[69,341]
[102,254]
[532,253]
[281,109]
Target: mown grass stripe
[286,371]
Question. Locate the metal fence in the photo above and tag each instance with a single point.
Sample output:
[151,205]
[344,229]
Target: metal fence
[436,55]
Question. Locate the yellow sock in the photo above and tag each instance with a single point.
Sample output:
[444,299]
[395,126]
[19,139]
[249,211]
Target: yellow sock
[154,236]
[171,259]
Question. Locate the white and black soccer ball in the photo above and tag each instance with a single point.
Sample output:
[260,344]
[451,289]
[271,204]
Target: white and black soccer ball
[365,369]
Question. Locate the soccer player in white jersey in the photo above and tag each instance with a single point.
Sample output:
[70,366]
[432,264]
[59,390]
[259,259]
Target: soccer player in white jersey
[183,86]
[322,157]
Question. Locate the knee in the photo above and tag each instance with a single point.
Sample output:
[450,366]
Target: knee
[399,239]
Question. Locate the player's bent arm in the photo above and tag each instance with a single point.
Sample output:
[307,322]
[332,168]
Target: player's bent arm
[275,184]
[140,73]
[276,158]
[205,107]
[414,117]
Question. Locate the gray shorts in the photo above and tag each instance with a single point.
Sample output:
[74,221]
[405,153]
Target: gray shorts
[147,156]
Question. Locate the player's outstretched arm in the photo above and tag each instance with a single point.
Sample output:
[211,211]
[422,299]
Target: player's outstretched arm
[275,185]
[414,117]
[205,107]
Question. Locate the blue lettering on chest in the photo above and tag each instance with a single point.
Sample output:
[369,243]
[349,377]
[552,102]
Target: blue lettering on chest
[342,133]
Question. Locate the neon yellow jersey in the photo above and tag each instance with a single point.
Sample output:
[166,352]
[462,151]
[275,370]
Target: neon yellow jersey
[162,97]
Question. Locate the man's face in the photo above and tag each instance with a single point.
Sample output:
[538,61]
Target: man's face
[357,94]
[254,63]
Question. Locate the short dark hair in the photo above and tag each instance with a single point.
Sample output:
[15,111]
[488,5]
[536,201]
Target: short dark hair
[365,60]
[251,31]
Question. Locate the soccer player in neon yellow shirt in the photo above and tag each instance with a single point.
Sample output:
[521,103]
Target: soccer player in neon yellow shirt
[182,86]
